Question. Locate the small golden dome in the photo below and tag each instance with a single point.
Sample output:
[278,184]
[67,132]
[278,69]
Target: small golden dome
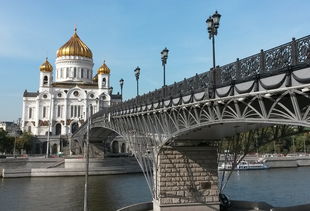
[74,47]
[104,69]
[95,78]
[46,67]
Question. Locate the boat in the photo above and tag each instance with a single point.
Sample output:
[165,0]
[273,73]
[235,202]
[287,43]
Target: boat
[243,165]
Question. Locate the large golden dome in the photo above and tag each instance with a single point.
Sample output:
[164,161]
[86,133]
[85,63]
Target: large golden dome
[103,69]
[74,47]
[46,67]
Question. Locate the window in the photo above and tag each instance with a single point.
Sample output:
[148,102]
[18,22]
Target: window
[87,72]
[45,80]
[82,73]
[76,93]
[76,110]
[91,109]
[44,112]
[103,82]
[74,72]
[71,111]
[61,72]
[59,111]
[30,113]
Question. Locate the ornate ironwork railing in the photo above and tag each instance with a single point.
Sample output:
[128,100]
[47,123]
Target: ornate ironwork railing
[266,63]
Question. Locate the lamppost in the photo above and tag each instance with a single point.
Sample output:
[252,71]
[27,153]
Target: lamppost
[49,126]
[213,24]
[164,57]
[17,134]
[86,151]
[137,74]
[121,83]
[87,159]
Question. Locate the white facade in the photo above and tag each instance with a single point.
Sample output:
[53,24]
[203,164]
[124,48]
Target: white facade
[63,99]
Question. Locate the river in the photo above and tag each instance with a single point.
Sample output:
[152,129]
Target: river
[279,187]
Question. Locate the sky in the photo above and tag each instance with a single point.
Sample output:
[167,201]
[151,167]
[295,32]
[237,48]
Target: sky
[131,33]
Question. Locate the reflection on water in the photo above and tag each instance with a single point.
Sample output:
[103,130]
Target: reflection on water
[279,187]
[66,193]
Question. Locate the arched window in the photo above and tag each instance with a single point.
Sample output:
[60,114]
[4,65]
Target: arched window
[115,147]
[123,148]
[74,72]
[103,82]
[45,80]
[74,127]
[82,73]
[30,113]
[58,129]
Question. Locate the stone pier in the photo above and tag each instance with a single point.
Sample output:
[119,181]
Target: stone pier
[186,179]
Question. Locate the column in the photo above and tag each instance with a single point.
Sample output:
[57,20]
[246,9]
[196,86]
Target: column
[186,179]
[37,117]
[65,113]
[51,117]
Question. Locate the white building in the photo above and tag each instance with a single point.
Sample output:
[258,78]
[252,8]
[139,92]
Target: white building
[65,93]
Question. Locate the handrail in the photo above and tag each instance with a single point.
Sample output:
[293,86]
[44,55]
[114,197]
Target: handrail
[269,62]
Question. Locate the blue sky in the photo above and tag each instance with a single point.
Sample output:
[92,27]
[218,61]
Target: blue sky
[130,33]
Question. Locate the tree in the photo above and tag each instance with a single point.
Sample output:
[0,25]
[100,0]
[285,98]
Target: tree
[6,143]
[24,142]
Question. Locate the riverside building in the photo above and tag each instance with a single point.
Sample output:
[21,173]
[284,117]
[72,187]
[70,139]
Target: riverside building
[67,95]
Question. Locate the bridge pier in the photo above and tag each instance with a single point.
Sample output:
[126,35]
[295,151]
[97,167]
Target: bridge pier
[186,179]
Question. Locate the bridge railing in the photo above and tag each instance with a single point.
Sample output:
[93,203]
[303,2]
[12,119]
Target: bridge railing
[269,62]
[265,63]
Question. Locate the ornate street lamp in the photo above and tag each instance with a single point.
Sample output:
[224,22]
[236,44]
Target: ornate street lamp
[121,83]
[164,57]
[137,74]
[213,24]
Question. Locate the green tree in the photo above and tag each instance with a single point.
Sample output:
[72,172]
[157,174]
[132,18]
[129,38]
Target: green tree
[6,143]
[24,142]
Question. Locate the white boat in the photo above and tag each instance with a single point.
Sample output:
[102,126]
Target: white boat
[243,165]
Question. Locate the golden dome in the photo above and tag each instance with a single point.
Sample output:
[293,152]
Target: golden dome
[46,67]
[104,69]
[74,47]
[95,78]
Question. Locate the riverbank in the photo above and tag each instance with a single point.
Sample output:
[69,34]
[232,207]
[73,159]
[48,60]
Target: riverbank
[58,167]
[278,161]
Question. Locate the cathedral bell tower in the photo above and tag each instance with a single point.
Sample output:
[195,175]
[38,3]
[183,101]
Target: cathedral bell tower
[46,75]
[103,77]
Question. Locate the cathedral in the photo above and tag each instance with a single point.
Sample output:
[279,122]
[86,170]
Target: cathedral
[67,94]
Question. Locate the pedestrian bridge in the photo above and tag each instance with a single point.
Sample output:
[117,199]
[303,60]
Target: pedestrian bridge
[172,131]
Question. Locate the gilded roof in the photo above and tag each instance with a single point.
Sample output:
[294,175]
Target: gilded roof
[46,67]
[95,78]
[103,69]
[74,47]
